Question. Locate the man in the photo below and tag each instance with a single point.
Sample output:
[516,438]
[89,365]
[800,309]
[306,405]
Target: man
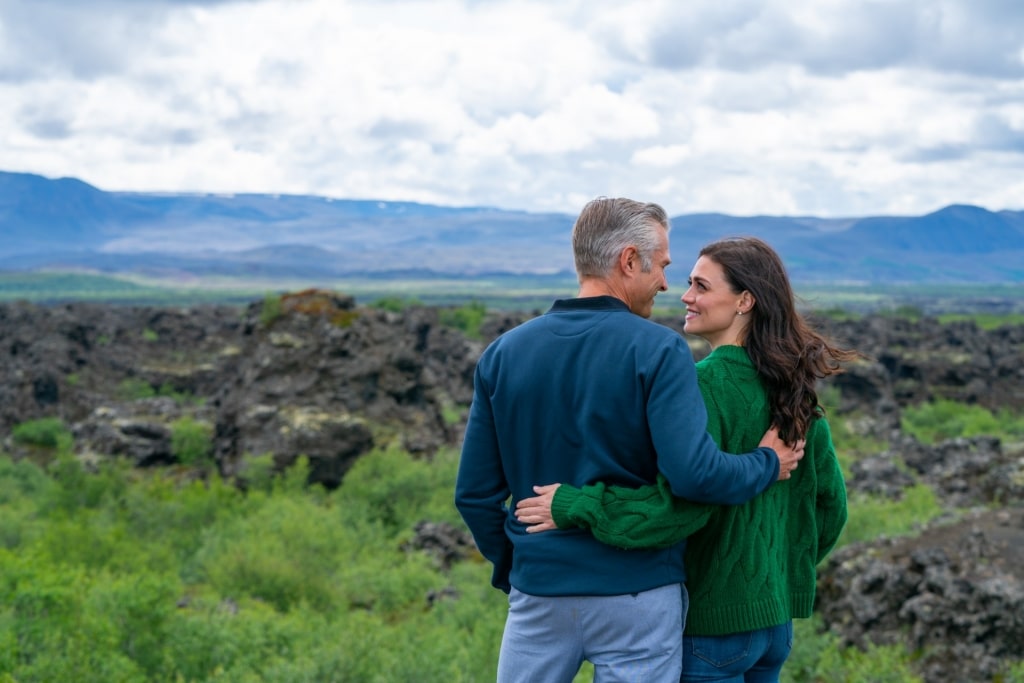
[593,391]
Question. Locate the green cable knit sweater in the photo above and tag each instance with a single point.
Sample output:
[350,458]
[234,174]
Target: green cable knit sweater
[749,566]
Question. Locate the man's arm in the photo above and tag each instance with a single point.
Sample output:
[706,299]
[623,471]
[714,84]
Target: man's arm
[694,466]
[481,491]
[831,505]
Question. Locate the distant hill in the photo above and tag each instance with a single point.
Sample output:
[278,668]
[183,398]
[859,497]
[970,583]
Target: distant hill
[67,223]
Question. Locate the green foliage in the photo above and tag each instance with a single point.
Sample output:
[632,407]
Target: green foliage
[872,517]
[78,489]
[943,419]
[46,432]
[1014,673]
[836,313]
[134,388]
[904,311]
[150,335]
[819,657]
[466,318]
[271,310]
[192,441]
[180,397]
[395,304]
[984,321]
[113,574]
[395,490]
[452,414]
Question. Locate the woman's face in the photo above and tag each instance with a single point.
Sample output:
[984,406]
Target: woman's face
[713,311]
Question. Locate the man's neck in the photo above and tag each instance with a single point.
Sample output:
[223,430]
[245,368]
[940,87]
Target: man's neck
[594,287]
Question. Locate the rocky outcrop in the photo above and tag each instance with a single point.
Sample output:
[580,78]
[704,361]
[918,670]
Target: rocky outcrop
[322,377]
[319,377]
[912,361]
[330,381]
[953,596]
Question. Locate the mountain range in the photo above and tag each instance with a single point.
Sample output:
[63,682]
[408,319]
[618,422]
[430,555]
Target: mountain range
[66,223]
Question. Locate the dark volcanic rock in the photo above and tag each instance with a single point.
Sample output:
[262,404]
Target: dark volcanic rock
[963,472]
[323,379]
[330,381]
[953,596]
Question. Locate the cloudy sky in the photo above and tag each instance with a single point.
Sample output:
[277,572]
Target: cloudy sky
[827,108]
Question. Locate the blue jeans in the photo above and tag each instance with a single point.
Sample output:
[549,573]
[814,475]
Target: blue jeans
[749,657]
[633,637]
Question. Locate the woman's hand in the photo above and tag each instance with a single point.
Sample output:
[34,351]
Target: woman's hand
[536,512]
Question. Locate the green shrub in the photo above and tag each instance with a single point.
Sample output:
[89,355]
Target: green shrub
[180,397]
[818,656]
[871,517]
[395,304]
[46,432]
[985,321]
[944,419]
[132,613]
[466,318]
[133,389]
[392,488]
[109,573]
[286,553]
[272,309]
[904,311]
[452,413]
[78,489]
[171,515]
[192,441]
[1013,673]
[150,335]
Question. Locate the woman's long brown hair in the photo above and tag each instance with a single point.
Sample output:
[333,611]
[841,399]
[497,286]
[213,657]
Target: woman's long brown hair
[789,355]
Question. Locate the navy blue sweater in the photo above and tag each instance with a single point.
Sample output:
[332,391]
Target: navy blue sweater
[589,392]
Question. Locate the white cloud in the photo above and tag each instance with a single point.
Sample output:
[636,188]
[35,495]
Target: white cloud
[839,107]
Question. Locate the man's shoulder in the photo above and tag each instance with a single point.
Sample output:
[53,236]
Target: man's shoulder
[612,325]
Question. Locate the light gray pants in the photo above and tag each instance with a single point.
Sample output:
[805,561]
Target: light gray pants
[633,637]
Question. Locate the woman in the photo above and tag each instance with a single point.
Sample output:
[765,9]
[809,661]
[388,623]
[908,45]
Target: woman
[750,568]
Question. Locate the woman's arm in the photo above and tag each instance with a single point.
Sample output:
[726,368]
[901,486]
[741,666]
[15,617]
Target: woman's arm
[645,517]
[830,504]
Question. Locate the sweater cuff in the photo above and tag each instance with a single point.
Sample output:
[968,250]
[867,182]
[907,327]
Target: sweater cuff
[565,497]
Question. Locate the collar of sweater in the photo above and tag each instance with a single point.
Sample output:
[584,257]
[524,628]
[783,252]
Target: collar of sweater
[590,303]
[731,352]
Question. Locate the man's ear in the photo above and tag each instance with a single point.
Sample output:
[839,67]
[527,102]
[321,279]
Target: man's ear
[629,260]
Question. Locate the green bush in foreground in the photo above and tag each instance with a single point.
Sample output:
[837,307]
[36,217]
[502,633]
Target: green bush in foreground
[129,576]
[120,575]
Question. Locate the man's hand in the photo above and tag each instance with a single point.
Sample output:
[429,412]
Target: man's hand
[536,512]
[789,456]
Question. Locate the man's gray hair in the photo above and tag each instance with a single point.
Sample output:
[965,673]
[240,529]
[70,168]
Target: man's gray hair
[606,226]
